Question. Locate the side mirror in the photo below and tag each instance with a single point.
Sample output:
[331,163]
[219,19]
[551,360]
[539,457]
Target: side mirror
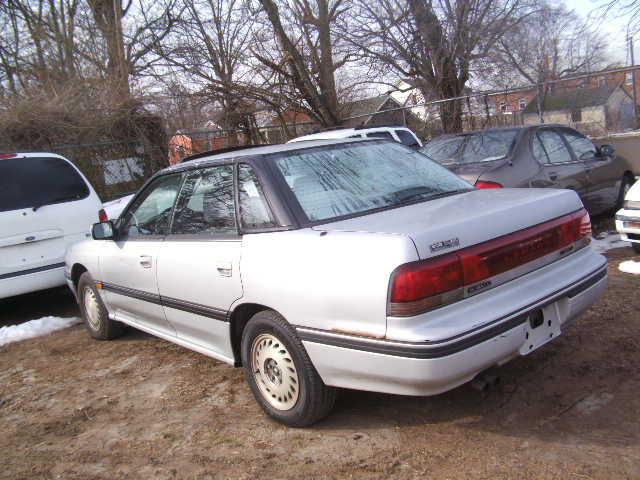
[103,231]
[606,150]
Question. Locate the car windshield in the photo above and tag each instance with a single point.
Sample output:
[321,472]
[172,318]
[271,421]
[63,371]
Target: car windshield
[38,181]
[338,180]
[478,147]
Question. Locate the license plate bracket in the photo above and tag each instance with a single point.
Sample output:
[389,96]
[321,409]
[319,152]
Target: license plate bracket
[541,327]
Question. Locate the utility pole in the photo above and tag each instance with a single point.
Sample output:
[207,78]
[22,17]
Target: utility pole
[633,80]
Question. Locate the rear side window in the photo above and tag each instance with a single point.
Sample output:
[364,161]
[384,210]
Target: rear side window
[557,151]
[206,205]
[38,181]
[254,211]
[407,138]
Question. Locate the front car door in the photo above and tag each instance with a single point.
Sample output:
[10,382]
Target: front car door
[199,264]
[559,168]
[602,175]
[128,264]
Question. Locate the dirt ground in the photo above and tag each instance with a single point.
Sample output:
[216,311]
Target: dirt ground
[140,407]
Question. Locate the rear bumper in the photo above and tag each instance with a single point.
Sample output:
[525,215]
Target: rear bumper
[628,233]
[32,280]
[429,368]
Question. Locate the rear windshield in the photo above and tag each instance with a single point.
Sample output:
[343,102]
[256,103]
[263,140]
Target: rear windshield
[334,181]
[38,181]
[478,147]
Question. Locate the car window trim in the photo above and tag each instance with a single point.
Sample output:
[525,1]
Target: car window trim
[148,184]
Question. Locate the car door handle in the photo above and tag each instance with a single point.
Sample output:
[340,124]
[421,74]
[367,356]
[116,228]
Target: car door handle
[224,269]
[146,261]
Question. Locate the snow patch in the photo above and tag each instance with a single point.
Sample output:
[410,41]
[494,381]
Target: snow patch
[114,207]
[608,241]
[630,266]
[34,328]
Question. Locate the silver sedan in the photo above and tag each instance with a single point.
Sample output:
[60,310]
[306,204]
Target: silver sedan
[347,263]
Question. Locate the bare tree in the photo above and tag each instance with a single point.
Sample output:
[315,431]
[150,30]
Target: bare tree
[38,43]
[209,50]
[305,57]
[129,45]
[550,44]
[432,44]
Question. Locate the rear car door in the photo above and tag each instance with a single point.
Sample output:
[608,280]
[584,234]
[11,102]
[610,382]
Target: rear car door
[199,264]
[128,265]
[602,176]
[45,205]
[559,168]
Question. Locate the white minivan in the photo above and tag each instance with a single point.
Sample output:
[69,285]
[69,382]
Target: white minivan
[46,205]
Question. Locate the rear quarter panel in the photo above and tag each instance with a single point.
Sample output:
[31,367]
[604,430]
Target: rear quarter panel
[327,280]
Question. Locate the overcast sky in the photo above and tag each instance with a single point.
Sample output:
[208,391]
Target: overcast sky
[613,24]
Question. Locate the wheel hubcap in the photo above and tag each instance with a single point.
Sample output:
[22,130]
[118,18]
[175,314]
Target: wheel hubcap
[274,371]
[91,308]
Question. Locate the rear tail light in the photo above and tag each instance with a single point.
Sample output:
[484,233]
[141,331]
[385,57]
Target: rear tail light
[102,215]
[483,184]
[8,155]
[420,286]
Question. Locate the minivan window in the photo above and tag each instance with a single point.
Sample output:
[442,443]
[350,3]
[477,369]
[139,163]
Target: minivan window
[38,181]
[407,138]
[346,179]
[381,134]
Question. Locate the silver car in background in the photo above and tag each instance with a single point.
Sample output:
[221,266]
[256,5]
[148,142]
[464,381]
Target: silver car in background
[347,263]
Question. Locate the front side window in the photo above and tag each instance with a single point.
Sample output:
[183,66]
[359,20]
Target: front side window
[582,147]
[33,182]
[340,180]
[254,211]
[406,138]
[150,214]
[206,205]
[557,151]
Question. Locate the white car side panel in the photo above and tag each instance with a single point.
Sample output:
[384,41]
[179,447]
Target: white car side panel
[334,281]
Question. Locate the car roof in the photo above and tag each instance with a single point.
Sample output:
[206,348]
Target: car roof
[258,151]
[5,155]
[345,132]
[499,129]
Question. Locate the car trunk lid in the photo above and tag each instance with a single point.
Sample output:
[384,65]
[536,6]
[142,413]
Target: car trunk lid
[472,172]
[458,221]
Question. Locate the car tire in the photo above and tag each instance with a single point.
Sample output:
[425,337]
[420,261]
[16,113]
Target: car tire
[280,373]
[627,182]
[636,247]
[94,313]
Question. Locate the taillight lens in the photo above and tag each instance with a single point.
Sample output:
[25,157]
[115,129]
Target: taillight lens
[8,155]
[483,184]
[419,286]
[102,215]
